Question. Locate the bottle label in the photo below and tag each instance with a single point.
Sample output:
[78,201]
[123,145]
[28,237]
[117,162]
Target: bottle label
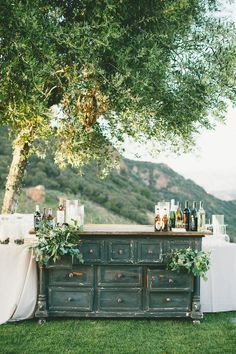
[158,225]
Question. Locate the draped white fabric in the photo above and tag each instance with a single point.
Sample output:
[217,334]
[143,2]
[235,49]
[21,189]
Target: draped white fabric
[18,283]
[218,293]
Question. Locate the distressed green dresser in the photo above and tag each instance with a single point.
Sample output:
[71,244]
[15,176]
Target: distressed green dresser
[123,275]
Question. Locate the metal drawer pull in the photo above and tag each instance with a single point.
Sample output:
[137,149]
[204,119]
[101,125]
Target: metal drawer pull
[120,300]
[120,275]
[150,251]
[90,251]
[69,299]
[72,274]
[120,251]
[171,281]
[168,299]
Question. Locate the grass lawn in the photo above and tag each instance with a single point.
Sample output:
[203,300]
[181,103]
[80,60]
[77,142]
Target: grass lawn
[216,334]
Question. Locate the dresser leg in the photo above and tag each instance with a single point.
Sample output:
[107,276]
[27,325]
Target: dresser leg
[196,313]
[41,321]
[41,307]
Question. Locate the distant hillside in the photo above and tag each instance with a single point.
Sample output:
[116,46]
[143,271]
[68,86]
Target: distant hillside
[130,193]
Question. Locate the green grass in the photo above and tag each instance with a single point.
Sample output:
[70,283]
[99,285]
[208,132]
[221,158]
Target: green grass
[216,334]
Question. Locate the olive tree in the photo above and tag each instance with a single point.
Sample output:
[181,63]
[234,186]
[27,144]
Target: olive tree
[146,69]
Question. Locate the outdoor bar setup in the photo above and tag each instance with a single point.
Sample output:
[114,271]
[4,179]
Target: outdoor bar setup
[110,271]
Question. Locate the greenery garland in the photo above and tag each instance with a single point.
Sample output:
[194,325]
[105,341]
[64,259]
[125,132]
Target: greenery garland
[187,259]
[56,242]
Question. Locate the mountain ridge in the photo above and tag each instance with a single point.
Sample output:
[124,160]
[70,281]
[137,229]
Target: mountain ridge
[130,193]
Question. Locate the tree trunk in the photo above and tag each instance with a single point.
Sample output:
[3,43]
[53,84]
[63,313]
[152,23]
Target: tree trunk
[15,175]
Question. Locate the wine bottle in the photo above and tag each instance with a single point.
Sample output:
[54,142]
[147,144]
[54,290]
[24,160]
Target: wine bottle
[193,217]
[50,218]
[172,215]
[186,216]
[37,218]
[165,220]
[45,214]
[179,217]
[60,213]
[201,218]
[157,220]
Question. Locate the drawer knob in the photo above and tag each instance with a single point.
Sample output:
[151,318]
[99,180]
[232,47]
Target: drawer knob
[168,299]
[119,300]
[171,281]
[90,251]
[120,275]
[150,251]
[120,251]
[69,299]
[77,274]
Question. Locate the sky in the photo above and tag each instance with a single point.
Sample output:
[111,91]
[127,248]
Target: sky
[213,166]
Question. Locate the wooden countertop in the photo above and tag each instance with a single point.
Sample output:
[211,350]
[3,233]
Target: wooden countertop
[146,230]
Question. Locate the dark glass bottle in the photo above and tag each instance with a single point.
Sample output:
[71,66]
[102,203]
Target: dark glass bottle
[45,215]
[37,218]
[186,216]
[193,217]
[50,218]
[172,216]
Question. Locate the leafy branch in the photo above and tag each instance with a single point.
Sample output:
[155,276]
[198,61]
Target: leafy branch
[56,242]
[186,259]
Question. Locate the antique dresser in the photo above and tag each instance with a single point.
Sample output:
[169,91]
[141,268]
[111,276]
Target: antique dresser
[123,275]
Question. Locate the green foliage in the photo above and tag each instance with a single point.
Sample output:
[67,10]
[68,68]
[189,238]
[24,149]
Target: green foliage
[146,69]
[187,259]
[56,242]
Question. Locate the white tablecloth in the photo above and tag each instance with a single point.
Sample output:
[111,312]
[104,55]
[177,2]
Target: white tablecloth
[18,283]
[218,293]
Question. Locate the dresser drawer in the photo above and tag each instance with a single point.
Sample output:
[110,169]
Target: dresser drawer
[70,299]
[163,279]
[79,276]
[118,275]
[119,300]
[92,251]
[149,252]
[120,251]
[180,301]
[178,244]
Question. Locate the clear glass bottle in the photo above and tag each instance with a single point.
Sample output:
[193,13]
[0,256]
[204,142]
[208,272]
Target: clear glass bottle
[193,217]
[61,213]
[178,217]
[165,220]
[157,221]
[201,218]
